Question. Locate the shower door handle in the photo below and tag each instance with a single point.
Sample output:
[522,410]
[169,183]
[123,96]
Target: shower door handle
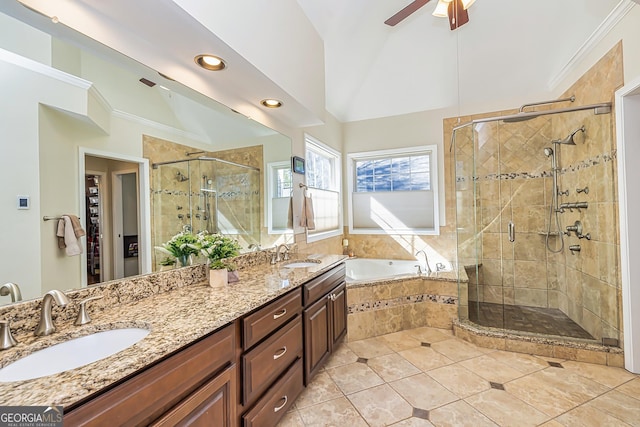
[511,228]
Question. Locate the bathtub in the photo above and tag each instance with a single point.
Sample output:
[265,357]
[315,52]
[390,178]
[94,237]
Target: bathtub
[367,269]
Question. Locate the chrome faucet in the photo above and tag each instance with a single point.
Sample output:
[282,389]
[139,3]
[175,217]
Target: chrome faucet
[426,261]
[254,247]
[285,253]
[46,326]
[6,339]
[11,289]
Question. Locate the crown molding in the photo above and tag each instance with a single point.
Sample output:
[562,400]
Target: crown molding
[596,37]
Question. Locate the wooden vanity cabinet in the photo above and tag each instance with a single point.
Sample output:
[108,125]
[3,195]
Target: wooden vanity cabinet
[194,386]
[271,363]
[325,318]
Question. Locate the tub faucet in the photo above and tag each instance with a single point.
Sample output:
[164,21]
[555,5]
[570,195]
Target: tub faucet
[427,269]
[46,326]
[11,289]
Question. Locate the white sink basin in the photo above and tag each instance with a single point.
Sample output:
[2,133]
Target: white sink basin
[71,354]
[301,264]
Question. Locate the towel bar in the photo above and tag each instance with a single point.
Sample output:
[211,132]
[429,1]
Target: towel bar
[52,218]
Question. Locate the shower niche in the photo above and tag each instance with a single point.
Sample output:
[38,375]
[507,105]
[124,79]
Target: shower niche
[536,214]
[205,194]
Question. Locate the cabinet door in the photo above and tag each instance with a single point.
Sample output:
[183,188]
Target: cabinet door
[338,314]
[317,339]
[213,404]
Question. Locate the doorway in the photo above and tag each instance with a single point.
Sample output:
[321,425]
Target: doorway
[93,211]
[628,132]
[115,197]
[126,223]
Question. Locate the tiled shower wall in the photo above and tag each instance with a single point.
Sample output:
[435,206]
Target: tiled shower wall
[513,183]
[232,205]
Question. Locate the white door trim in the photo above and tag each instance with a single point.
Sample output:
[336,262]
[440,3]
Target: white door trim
[627,107]
[144,200]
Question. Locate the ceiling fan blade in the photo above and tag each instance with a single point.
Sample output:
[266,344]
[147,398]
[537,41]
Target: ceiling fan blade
[404,13]
[458,16]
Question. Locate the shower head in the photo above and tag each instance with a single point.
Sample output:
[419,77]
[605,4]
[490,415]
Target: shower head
[569,140]
[181,177]
[548,151]
[519,117]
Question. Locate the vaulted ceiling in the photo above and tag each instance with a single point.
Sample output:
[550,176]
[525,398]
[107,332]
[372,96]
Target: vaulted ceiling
[511,52]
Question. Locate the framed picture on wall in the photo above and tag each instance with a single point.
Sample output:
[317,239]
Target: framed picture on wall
[297,164]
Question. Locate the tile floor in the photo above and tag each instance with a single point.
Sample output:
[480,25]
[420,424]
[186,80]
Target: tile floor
[428,377]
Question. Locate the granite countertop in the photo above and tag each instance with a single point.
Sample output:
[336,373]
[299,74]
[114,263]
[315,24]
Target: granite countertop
[175,318]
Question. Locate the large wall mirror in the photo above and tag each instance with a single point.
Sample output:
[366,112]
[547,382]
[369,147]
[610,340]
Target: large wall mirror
[136,160]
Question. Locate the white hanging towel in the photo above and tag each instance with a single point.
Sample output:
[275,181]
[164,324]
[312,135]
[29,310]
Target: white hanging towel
[66,231]
[307,219]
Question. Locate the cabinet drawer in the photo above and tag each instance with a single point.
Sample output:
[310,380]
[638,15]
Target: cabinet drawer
[278,400]
[258,325]
[262,365]
[213,404]
[149,394]
[318,287]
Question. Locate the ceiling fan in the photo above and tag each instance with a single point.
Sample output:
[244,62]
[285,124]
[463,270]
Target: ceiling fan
[454,10]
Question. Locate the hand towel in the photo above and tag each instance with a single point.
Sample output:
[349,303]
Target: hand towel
[290,214]
[77,227]
[66,232]
[307,219]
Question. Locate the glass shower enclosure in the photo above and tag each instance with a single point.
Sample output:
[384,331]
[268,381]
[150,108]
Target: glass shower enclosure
[205,194]
[536,223]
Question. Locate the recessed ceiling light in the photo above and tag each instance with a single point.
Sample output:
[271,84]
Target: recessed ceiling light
[271,103]
[210,62]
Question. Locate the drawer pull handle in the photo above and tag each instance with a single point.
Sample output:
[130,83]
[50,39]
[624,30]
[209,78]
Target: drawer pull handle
[280,314]
[282,351]
[277,408]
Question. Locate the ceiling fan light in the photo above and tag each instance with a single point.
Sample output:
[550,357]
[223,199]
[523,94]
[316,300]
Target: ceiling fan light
[466,4]
[441,9]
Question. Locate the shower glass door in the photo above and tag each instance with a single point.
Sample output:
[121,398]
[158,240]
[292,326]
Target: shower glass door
[525,273]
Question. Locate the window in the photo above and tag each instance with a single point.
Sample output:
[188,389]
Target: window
[394,191]
[323,180]
[280,184]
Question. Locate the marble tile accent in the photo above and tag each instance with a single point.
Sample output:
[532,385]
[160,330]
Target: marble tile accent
[457,350]
[413,422]
[380,405]
[399,341]
[457,414]
[369,348]
[570,349]
[342,355]
[608,376]
[491,369]
[392,367]
[589,416]
[620,406]
[320,390]
[503,409]
[631,388]
[524,363]
[423,392]
[459,380]
[354,377]
[554,391]
[291,419]
[425,358]
[340,411]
